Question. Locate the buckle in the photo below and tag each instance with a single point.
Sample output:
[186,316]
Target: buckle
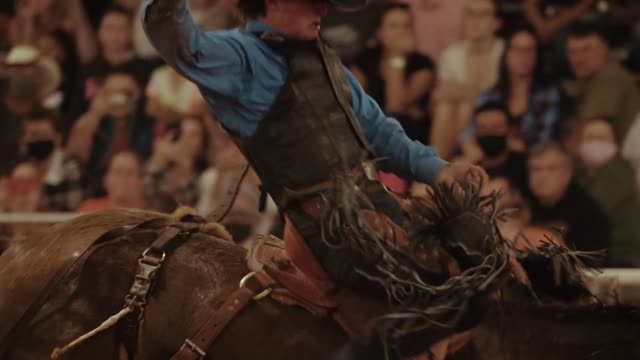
[264,293]
[193,347]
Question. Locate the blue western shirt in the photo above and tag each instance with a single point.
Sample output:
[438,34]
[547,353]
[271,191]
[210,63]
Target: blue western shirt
[240,77]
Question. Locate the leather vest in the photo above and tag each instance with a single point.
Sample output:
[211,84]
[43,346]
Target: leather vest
[311,132]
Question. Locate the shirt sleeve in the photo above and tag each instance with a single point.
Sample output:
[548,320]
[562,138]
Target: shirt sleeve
[409,159]
[199,56]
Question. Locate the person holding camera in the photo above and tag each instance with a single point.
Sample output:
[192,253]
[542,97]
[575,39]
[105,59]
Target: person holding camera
[114,122]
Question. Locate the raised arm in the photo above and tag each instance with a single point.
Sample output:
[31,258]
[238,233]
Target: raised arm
[407,158]
[548,27]
[199,56]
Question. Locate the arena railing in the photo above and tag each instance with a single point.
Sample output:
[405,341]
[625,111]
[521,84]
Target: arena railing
[610,284]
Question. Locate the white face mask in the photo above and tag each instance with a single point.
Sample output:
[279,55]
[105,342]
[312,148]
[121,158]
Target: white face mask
[597,153]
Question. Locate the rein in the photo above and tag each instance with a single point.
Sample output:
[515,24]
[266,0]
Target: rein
[148,266]
[20,326]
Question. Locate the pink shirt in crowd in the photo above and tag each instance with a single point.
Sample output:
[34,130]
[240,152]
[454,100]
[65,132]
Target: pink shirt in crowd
[438,24]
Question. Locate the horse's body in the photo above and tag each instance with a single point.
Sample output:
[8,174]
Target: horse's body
[199,274]
[195,279]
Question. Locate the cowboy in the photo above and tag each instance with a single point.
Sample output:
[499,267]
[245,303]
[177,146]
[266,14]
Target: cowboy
[297,114]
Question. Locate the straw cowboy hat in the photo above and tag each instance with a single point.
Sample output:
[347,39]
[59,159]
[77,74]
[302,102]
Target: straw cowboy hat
[28,61]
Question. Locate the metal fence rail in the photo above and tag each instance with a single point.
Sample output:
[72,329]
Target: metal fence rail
[36,218]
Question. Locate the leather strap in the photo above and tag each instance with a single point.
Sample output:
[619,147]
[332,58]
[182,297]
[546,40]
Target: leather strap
[226,203]
[21,325]
[196,347]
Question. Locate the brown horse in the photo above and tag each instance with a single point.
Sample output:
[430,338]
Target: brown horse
[197,276]
[195,279]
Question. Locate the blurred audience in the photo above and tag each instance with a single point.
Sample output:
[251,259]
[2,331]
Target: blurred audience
[179,158]
[501,153]
[604,87]
[559,201]
[60,177]
[170,96]
[438,24]
[551,17]
[631,148]
[517,214]
[89,111]
[123,184]
[67,19]
[535,104]
[465,70]
[632,62]
[23,189]
[30,80]
[395,75]
[115,55]
[610,181]
[115,122]
[253,213]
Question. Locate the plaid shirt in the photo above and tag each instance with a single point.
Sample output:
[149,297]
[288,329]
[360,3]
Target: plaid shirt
[541,120]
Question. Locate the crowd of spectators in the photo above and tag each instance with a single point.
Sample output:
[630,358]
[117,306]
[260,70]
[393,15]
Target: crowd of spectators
[544,94]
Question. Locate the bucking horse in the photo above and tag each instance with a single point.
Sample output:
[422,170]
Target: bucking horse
[133,284]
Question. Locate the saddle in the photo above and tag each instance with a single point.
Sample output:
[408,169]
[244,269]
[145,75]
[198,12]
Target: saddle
[287,271]
[301,281]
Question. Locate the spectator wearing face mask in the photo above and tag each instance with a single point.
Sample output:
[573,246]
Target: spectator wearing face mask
[60,176]
[559,201]
[465,70]
[494,137]
[535,103]
[30,80]
[115,122]
[610,180]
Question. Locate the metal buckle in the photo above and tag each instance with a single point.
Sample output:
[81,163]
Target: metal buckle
[191,345]
[145,255]
[262,294]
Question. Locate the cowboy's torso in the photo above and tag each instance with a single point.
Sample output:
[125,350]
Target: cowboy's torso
[311,133]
